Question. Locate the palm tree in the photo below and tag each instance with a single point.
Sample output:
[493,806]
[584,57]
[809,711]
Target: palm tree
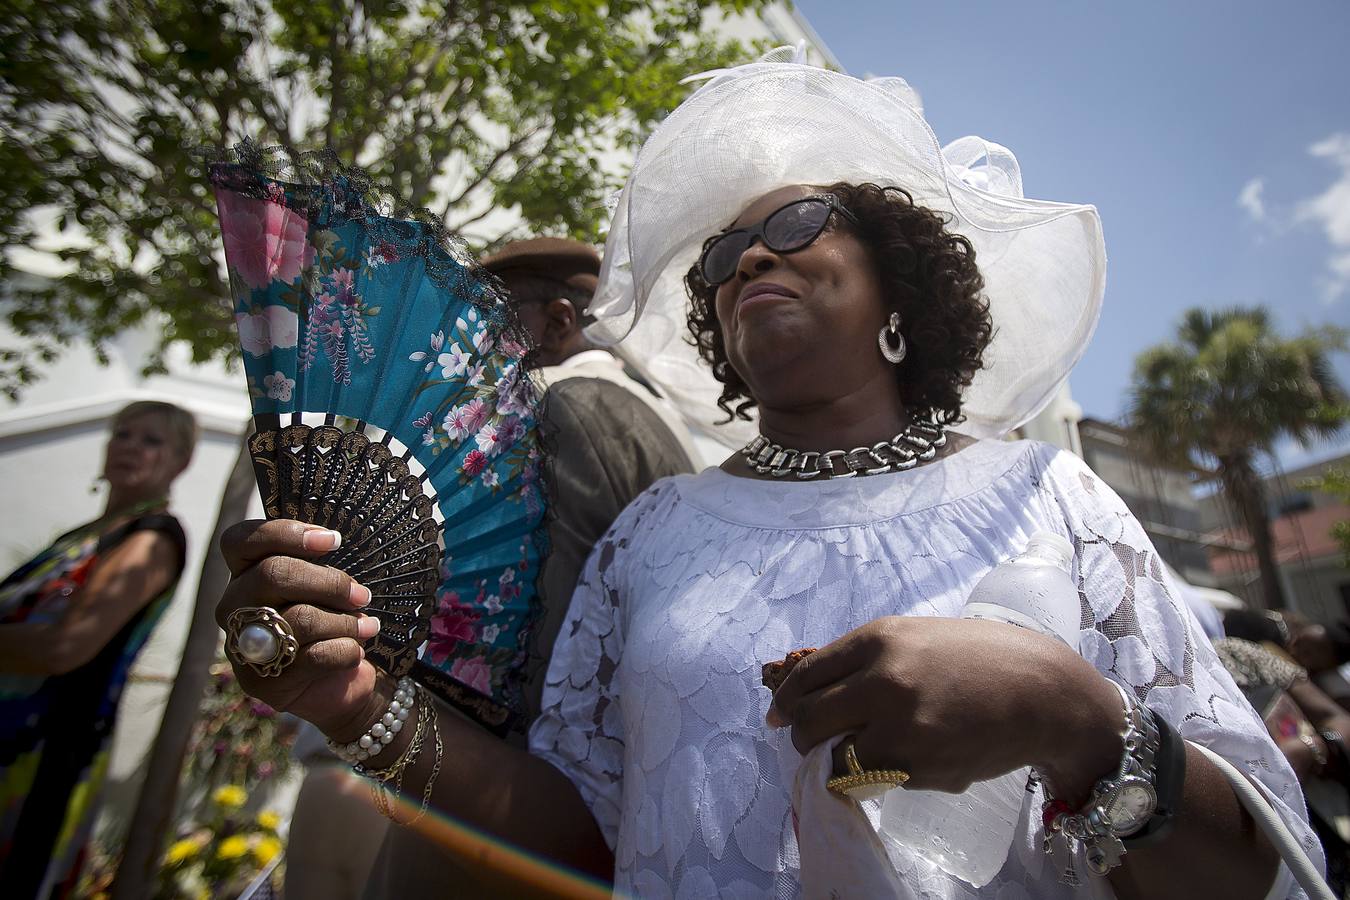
[1216,400]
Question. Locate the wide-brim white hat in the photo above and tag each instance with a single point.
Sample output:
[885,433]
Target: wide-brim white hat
[759,127]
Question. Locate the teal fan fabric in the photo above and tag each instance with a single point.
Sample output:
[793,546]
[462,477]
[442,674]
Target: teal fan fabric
[391,402]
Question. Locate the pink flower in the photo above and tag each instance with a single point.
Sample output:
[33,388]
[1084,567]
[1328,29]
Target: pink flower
[474,462]
[476,413]
[269,328]
[474,673]
[452,624]
[454,423]
[463,421]
[488,441]
[264,241]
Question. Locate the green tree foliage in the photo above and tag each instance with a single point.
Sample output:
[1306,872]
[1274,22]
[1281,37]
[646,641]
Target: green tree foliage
[463,107]
[1216,400]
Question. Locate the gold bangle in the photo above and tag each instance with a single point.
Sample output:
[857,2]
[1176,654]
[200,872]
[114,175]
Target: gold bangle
[864,784]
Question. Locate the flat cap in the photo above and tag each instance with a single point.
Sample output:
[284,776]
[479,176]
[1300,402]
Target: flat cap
[571,262]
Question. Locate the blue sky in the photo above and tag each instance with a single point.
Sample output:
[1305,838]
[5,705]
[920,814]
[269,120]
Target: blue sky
[1214,137]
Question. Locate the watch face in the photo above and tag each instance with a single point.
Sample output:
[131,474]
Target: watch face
[1131,806]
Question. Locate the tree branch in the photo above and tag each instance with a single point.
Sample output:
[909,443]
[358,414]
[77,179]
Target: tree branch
[486,171]
[489,210]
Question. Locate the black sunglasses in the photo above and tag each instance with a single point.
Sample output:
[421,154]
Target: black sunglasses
[787,229]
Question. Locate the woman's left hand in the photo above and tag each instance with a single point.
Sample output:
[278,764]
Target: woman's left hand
[955,701]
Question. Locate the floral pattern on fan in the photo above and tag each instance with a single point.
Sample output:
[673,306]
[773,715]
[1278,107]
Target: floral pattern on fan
[427,458]
[492,407]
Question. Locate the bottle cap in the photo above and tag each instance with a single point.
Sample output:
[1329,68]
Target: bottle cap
[1052,547]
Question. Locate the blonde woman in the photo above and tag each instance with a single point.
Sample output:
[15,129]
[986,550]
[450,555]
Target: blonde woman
[72,621]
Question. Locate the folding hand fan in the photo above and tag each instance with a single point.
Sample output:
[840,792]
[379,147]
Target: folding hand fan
[391,404]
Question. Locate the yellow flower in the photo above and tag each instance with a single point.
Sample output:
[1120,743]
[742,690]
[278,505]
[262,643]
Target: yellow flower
[232,847]
[269,820]
[182,850]
[230,796]
[266,850]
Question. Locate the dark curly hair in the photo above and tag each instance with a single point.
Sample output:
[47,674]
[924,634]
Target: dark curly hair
[930,278]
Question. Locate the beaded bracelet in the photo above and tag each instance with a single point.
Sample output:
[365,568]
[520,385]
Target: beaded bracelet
[381,779]
[382,733]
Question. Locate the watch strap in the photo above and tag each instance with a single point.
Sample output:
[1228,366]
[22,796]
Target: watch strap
[1169,781]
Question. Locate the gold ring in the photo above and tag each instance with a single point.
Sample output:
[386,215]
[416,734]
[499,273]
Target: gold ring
[261,639]
[862,784]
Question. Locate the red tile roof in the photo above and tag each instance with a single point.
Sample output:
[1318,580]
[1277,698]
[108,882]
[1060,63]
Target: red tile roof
[1299,536]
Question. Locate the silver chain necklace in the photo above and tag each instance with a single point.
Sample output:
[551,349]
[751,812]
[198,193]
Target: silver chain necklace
[919,442]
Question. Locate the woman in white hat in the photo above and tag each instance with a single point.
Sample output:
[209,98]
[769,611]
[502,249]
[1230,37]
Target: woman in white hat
[855,287]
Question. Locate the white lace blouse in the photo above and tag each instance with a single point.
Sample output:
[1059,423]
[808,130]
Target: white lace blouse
[653,705]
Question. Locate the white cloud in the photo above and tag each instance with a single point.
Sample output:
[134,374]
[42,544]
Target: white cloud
[1249,198]
[1330,211]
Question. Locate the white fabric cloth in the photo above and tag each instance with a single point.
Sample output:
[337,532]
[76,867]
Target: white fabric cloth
[603,364]
[840,852]
[653,704]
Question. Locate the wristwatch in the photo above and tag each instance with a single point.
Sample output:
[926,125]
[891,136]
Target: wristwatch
[1134,805]
[1124,801]
[1169,782]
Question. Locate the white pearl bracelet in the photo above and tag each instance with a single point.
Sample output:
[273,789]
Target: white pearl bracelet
[381,734]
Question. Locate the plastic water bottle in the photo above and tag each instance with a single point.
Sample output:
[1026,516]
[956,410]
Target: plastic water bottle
[969,834]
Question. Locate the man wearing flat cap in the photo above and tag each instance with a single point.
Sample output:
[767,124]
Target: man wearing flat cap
[551,281]
[610,438]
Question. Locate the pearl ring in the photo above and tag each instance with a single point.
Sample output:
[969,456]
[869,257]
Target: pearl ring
[261,638]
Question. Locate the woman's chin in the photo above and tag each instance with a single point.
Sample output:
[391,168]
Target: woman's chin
[127,484]
[769,354]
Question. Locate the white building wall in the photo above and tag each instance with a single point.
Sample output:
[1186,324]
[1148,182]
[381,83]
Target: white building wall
[1058,423]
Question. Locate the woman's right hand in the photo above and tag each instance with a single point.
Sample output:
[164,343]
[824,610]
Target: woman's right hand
[329,683]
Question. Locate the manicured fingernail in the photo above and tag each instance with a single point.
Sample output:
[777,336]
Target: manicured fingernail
[367,627]
[359,595]
[321,539]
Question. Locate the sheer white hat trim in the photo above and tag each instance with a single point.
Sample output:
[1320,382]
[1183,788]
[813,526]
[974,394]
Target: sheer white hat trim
[758,127]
